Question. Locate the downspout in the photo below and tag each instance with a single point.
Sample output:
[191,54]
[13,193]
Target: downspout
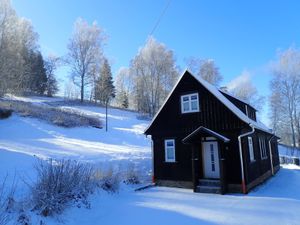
[152,150]
[271,155]
[242,158]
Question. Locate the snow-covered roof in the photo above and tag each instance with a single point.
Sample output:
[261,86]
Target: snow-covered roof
[233,96]
[215,91]
[207,131]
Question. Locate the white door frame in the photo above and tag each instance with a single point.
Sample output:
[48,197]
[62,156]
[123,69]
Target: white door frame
[210,159]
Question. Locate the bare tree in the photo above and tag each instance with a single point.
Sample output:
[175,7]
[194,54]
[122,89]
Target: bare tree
[285,88]
[84,51]
[243,88]
[154,73]
[205,68]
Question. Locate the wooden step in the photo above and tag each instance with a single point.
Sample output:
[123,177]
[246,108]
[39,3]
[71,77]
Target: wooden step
[209,189]
[209,183]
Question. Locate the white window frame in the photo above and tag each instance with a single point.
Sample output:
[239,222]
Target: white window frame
[166,151]
[262,147]
[190,110]
[251,150]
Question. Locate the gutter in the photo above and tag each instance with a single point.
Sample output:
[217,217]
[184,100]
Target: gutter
[242,158]
[271,156]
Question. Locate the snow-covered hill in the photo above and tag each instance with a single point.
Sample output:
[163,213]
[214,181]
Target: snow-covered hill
[22,138]
[123,143]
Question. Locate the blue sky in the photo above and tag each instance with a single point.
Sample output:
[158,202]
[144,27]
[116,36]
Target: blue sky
[239,35]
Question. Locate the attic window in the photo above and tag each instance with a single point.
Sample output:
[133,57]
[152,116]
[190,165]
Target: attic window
[190,103]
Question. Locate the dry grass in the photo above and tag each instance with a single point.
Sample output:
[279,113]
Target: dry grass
[52,115]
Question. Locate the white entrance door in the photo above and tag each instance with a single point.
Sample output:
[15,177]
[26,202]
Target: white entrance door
[210,159]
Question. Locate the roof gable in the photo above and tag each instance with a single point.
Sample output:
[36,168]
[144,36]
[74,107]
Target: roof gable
[216,93]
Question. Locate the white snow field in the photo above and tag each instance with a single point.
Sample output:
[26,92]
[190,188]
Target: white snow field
[275,202]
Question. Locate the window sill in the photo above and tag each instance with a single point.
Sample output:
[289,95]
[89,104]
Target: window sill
[252,161]
[170,161]
[190,112]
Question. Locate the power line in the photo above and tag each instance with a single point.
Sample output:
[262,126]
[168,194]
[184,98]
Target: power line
[160,17]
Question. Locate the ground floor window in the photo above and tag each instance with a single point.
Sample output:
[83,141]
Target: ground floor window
[263,149]
[170,150]
[250,147]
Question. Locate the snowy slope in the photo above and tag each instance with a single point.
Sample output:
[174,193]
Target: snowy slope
[123,143]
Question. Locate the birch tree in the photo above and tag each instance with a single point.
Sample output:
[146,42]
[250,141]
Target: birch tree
[84,51]
[154,73]
[242,87]
[206,69]
[285,93]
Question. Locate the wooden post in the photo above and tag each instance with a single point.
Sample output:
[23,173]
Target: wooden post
[222,161]
[195,163]
[106,120]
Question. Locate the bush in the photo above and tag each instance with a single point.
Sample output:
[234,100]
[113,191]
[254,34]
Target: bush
[108,180]
[132,176]
[5,113]
[6,202]
[60,184]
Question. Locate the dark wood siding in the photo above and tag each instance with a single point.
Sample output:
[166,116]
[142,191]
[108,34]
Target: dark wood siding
[259,166]
[172,124]
[250,111]
[179,170]
[213,114]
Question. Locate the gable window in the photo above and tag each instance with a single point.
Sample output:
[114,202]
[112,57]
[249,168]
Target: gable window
[170,150]
[190,103]
[262,146]
[250,147]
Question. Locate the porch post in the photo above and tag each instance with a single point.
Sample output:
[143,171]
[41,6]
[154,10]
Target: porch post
[195,165]
[222,168]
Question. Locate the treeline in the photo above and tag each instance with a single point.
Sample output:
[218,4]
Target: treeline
[22,67]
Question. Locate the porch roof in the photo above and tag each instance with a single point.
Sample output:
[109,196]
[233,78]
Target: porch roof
[199,133]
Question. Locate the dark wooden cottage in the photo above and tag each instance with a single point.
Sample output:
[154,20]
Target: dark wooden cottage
[205,139]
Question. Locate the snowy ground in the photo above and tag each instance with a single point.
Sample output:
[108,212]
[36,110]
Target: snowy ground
[276,202]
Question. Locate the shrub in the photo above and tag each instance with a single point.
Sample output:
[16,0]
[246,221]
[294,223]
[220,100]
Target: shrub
[60,184]
[6,202]
[108,180]
[5,113]
[132,176]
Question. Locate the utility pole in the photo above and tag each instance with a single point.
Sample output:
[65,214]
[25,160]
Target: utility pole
[106,120]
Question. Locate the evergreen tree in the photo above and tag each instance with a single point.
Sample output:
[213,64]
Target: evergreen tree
[123,98]
[41,75]
[105,89]
[37,76]
[51,65]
